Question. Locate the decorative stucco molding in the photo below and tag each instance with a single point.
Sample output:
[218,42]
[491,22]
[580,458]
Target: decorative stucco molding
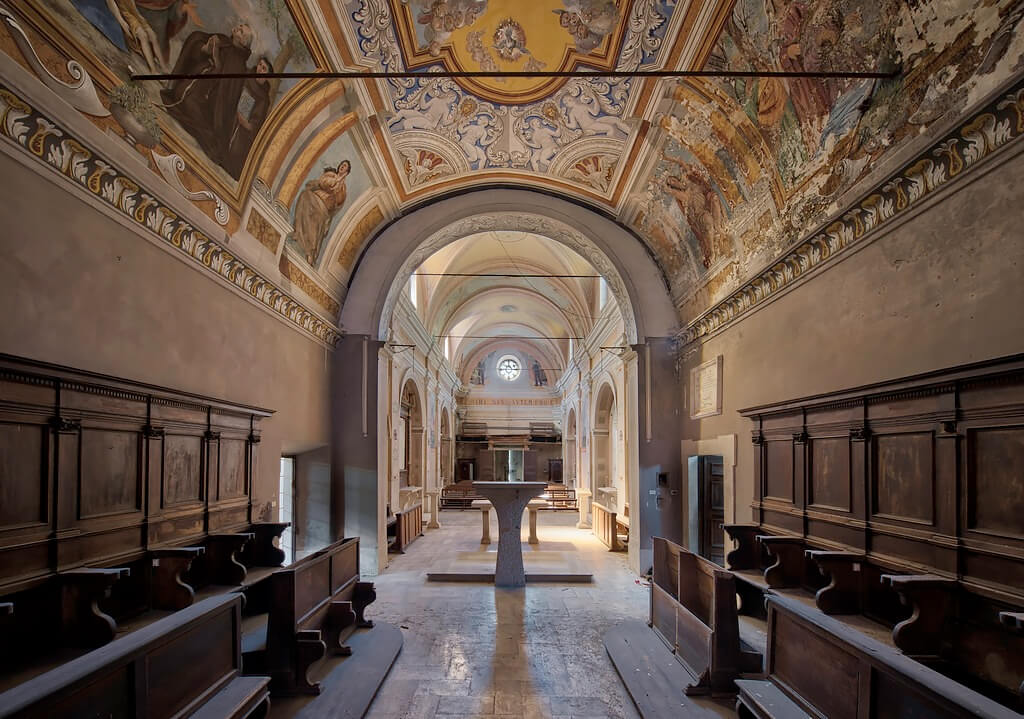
[80,94]
[987,132]
[169,167]
[41,138]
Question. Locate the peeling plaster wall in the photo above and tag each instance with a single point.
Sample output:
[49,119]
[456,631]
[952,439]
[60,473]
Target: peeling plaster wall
[85,291]
[945,288]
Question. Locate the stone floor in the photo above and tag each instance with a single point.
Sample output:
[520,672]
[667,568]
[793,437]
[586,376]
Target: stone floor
[472,650]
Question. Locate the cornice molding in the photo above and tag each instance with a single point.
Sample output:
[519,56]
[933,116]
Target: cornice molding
[49,143]
[988,132]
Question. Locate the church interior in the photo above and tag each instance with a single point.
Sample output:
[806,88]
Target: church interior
[544,359]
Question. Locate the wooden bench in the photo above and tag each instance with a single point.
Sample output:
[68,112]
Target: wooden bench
[606,527]
[817,666]
[185,665]
[459,496]
[560,498]
[409,526]
[693,609]
[315,604]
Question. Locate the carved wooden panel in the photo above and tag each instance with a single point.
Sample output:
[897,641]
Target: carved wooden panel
[183,479]
[198,657]
[109,473]
[312,586]
[995,480]
[23,474]
[829,483]
[903,476]
[344,566]
[779,470]
[232,468]
[836,672]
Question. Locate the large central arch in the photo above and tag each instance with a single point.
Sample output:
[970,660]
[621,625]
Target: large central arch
[381,274]
[634,279]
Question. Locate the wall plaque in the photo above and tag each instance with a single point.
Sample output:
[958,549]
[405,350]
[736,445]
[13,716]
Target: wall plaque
[706,389]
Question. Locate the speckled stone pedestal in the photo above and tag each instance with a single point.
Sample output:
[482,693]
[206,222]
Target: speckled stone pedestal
[509,499]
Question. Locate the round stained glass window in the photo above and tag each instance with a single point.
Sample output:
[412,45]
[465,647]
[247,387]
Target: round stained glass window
[509,369]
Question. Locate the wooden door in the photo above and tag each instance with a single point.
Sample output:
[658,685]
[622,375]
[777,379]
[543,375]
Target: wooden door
[707,507]
[555,471]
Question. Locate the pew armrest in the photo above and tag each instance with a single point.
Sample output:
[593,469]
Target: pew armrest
[842,595]
[932,600]
[747,554]
[788,568]
[82,620]
[168,567]
[263,550]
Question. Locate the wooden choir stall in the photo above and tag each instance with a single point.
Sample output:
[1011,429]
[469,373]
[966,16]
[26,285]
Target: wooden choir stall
[136,573]
[884,575]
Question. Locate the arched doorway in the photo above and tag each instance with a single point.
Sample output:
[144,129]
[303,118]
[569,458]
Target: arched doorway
[603,436]
[445,469]
[410,446]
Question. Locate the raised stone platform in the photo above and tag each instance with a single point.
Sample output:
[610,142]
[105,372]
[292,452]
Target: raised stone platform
[539,566]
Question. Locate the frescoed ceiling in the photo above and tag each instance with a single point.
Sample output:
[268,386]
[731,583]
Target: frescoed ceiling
[716,176]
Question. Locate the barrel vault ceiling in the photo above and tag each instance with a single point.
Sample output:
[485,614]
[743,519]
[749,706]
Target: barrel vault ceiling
[715,176]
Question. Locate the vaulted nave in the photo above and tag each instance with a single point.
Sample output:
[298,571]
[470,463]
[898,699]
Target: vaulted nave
[560,358]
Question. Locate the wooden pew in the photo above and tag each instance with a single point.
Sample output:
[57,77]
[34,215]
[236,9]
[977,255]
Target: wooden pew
[693,609]
[409,526]
[315,604]
[185,665]
[817,666]
[606,527]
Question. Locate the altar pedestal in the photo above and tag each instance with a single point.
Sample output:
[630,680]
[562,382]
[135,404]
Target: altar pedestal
[509,499]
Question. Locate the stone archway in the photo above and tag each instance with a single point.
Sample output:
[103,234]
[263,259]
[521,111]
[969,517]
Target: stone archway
[380,276]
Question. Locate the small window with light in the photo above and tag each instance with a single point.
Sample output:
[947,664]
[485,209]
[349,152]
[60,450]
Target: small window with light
[509,369]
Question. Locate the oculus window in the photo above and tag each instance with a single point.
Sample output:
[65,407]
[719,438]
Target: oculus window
[509,369]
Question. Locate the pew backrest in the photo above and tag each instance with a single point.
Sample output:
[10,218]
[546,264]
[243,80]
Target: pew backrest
[167,669]
[837,672]
[693,607]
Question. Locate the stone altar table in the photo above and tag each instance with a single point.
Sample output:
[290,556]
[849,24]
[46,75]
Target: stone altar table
[509,500]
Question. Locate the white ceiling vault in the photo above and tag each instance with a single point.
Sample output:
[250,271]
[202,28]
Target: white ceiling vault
[478,292]
[714,176]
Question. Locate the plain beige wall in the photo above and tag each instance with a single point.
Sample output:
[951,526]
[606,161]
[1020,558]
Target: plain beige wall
[943,289]
[83,290]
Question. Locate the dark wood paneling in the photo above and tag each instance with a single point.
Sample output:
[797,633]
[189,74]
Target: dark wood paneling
[110,479]
[779,470]
[23,474]
[995,480]
[232,469]
[98,469]
[836,672]
[830,473]
[904,472]
[182,468]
